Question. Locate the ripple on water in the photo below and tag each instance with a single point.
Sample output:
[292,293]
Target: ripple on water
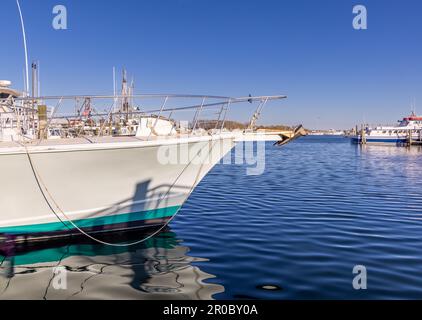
[322,207]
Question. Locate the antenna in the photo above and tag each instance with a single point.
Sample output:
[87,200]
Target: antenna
[38,79]
[114,81]
[132,89]
[114,89]
[414,106]
[26,49]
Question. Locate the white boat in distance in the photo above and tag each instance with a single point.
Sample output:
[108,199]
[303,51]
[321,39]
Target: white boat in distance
[331,132]
[409,127]
[92,172]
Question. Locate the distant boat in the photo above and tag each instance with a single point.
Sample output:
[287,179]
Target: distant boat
[333,132]
[330,132]
[409,126]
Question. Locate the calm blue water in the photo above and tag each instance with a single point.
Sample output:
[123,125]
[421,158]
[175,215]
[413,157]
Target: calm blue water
[322,207]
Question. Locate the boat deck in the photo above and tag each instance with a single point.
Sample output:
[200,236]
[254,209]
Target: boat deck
[105,142]
[96,142]
[70,141]
[85,140]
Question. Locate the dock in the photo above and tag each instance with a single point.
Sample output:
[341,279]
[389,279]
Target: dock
[411,141]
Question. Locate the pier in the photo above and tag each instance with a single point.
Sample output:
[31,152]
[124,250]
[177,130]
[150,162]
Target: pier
[411,141]
[359,133]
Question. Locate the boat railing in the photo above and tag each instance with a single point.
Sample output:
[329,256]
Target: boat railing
[109,114]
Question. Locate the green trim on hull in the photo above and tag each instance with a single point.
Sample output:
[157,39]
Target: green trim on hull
[93,222]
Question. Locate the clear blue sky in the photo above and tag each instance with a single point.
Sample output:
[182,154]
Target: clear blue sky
[334,75]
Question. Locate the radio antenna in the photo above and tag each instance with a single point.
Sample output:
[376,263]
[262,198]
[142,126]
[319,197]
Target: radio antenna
[26,49]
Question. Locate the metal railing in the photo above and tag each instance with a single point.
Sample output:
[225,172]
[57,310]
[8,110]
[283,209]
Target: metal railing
[106,115]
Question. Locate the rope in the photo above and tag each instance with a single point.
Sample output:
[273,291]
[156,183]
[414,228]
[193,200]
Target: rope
[42,186]
[39,186]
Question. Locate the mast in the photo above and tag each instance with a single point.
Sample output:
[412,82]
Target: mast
[131,91]
[35,82]
[125,95]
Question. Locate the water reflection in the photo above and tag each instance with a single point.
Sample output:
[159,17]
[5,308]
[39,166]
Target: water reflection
[391,150]
[403,161]
[157,269]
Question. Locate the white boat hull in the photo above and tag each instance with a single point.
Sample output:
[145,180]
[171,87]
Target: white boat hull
[104,187]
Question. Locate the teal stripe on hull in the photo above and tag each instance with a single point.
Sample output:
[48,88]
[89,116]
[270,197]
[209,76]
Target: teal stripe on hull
[93,222]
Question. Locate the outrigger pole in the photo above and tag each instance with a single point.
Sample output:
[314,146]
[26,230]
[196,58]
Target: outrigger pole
[26,49]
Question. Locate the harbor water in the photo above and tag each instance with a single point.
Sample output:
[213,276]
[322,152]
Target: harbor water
[322,207]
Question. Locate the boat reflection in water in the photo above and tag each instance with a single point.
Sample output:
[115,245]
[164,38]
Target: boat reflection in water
[159,268]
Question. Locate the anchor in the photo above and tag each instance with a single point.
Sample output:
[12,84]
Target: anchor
[298,132]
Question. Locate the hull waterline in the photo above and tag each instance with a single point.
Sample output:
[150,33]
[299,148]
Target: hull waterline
[380,140]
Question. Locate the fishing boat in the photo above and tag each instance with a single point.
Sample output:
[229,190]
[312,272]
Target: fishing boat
[87,165]
[130,166]
[409,129]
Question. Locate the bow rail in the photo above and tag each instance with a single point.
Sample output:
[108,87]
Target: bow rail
[113,115]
